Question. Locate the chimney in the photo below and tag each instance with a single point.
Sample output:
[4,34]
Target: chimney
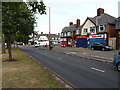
[71,23]
[58,34]
[119,9]
[41,33]
[100,11]
[77,23]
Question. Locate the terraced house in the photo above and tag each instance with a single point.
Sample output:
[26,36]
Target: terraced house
[100,28]
[118,33]
[118,27]
[68,34]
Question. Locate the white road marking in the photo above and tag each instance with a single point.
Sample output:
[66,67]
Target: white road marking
[97,69]
[60,58]
[45,53]
[71,53]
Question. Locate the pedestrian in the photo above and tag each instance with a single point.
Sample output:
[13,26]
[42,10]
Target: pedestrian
[50,46]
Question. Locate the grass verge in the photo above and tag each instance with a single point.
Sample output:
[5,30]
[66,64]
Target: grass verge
[24,72]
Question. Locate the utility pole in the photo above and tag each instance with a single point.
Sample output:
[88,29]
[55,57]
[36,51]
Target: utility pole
[49,23]
[50,44]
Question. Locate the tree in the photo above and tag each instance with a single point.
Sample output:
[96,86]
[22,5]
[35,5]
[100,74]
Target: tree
[18,20]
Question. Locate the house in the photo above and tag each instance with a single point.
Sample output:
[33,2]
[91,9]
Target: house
[117,24]
[45,38]
[118,33]
[88,27]
[100,28]
[68,34]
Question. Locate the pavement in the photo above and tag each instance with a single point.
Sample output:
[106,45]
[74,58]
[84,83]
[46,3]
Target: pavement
[105,56]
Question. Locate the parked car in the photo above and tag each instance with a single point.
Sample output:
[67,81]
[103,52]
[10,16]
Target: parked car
[36,44]
[100,46]
[116,61]
[63,45]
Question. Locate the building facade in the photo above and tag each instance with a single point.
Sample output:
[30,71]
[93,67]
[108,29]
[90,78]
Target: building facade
[68,34]
[100,28]
[118,32]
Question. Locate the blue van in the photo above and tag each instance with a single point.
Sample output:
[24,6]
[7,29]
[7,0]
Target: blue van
[116,61]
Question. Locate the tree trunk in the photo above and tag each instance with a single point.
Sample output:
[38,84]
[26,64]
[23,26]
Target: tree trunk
[9,50]
[3,43]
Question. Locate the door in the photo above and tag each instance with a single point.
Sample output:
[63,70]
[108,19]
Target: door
[82,43]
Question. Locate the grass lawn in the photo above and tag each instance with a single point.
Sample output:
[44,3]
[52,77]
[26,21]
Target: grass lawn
[24,72]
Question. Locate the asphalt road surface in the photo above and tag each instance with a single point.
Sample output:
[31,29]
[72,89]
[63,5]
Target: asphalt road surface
[80,72]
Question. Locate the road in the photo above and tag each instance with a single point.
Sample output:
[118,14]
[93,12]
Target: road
[80,72]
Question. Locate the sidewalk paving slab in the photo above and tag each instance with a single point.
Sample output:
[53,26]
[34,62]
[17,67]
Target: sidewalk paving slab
[105,56]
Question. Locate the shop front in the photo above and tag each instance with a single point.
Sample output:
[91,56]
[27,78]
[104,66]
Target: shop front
[69,42]
[63,42]
[97,38]
[82,41]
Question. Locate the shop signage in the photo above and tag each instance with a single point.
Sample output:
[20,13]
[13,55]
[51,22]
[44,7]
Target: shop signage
[98,36]
[82,36]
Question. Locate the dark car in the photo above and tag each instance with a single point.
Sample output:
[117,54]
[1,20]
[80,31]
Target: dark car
[100,46]
[116,61]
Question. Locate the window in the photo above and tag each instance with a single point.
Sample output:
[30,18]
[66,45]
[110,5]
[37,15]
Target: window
[56,38]
[92,29]
[62,34]
[65,34]
[85,30]
[52,38]
[77,31]
[101,28]
[69,34]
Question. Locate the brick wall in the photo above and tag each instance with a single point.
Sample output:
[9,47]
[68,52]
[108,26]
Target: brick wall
[112,32]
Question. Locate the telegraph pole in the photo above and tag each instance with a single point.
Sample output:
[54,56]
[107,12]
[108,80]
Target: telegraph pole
[49,30]
[49,25]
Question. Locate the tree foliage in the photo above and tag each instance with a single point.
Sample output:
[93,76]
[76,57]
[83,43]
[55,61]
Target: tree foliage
[18,20]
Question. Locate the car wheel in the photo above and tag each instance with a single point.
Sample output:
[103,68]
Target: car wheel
[118,67]
[103,49]
[92,48]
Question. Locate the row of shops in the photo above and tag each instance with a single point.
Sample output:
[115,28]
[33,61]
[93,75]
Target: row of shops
[102,28]
[85,41]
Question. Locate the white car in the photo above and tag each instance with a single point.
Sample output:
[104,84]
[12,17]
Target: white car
[36,44]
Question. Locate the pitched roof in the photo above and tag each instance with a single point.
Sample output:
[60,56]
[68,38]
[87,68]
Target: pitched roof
[65,29]
[103,19]
[71,28]
[51,35]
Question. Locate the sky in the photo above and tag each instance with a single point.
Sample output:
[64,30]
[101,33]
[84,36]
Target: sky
[64,11]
